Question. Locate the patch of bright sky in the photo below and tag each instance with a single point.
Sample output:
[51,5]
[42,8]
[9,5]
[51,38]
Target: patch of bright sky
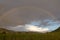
[53,25]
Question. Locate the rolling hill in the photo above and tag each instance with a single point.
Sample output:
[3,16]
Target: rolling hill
[11,35]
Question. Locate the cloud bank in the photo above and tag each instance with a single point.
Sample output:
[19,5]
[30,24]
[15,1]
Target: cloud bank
[27,28]
[35,26]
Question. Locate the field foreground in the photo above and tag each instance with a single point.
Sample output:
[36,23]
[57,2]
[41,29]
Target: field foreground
[10,35]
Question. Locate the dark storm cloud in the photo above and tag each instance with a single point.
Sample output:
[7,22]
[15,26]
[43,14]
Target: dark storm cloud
[50,5]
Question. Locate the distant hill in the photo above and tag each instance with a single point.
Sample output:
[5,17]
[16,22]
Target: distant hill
[11,35]
[5,30]
[58,30]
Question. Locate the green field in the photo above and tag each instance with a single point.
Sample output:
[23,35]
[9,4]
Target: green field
[10,35]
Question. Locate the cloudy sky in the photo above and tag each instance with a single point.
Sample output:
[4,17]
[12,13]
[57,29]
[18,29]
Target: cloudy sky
[30,15]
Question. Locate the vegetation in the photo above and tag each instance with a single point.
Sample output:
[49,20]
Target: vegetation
[10,35]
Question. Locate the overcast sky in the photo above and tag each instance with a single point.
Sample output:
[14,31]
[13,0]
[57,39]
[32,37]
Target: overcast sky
[41,13]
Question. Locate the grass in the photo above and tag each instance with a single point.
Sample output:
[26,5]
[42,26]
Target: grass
[10,35]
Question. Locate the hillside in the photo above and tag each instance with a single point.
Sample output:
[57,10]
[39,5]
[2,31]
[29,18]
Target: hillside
[10,35]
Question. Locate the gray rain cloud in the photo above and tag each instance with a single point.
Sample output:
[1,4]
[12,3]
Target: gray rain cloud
[43,14]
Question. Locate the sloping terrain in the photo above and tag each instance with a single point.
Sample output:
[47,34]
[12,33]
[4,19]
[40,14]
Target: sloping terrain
[10,35]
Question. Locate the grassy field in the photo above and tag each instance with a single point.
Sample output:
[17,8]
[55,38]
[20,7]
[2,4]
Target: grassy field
[10,35]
